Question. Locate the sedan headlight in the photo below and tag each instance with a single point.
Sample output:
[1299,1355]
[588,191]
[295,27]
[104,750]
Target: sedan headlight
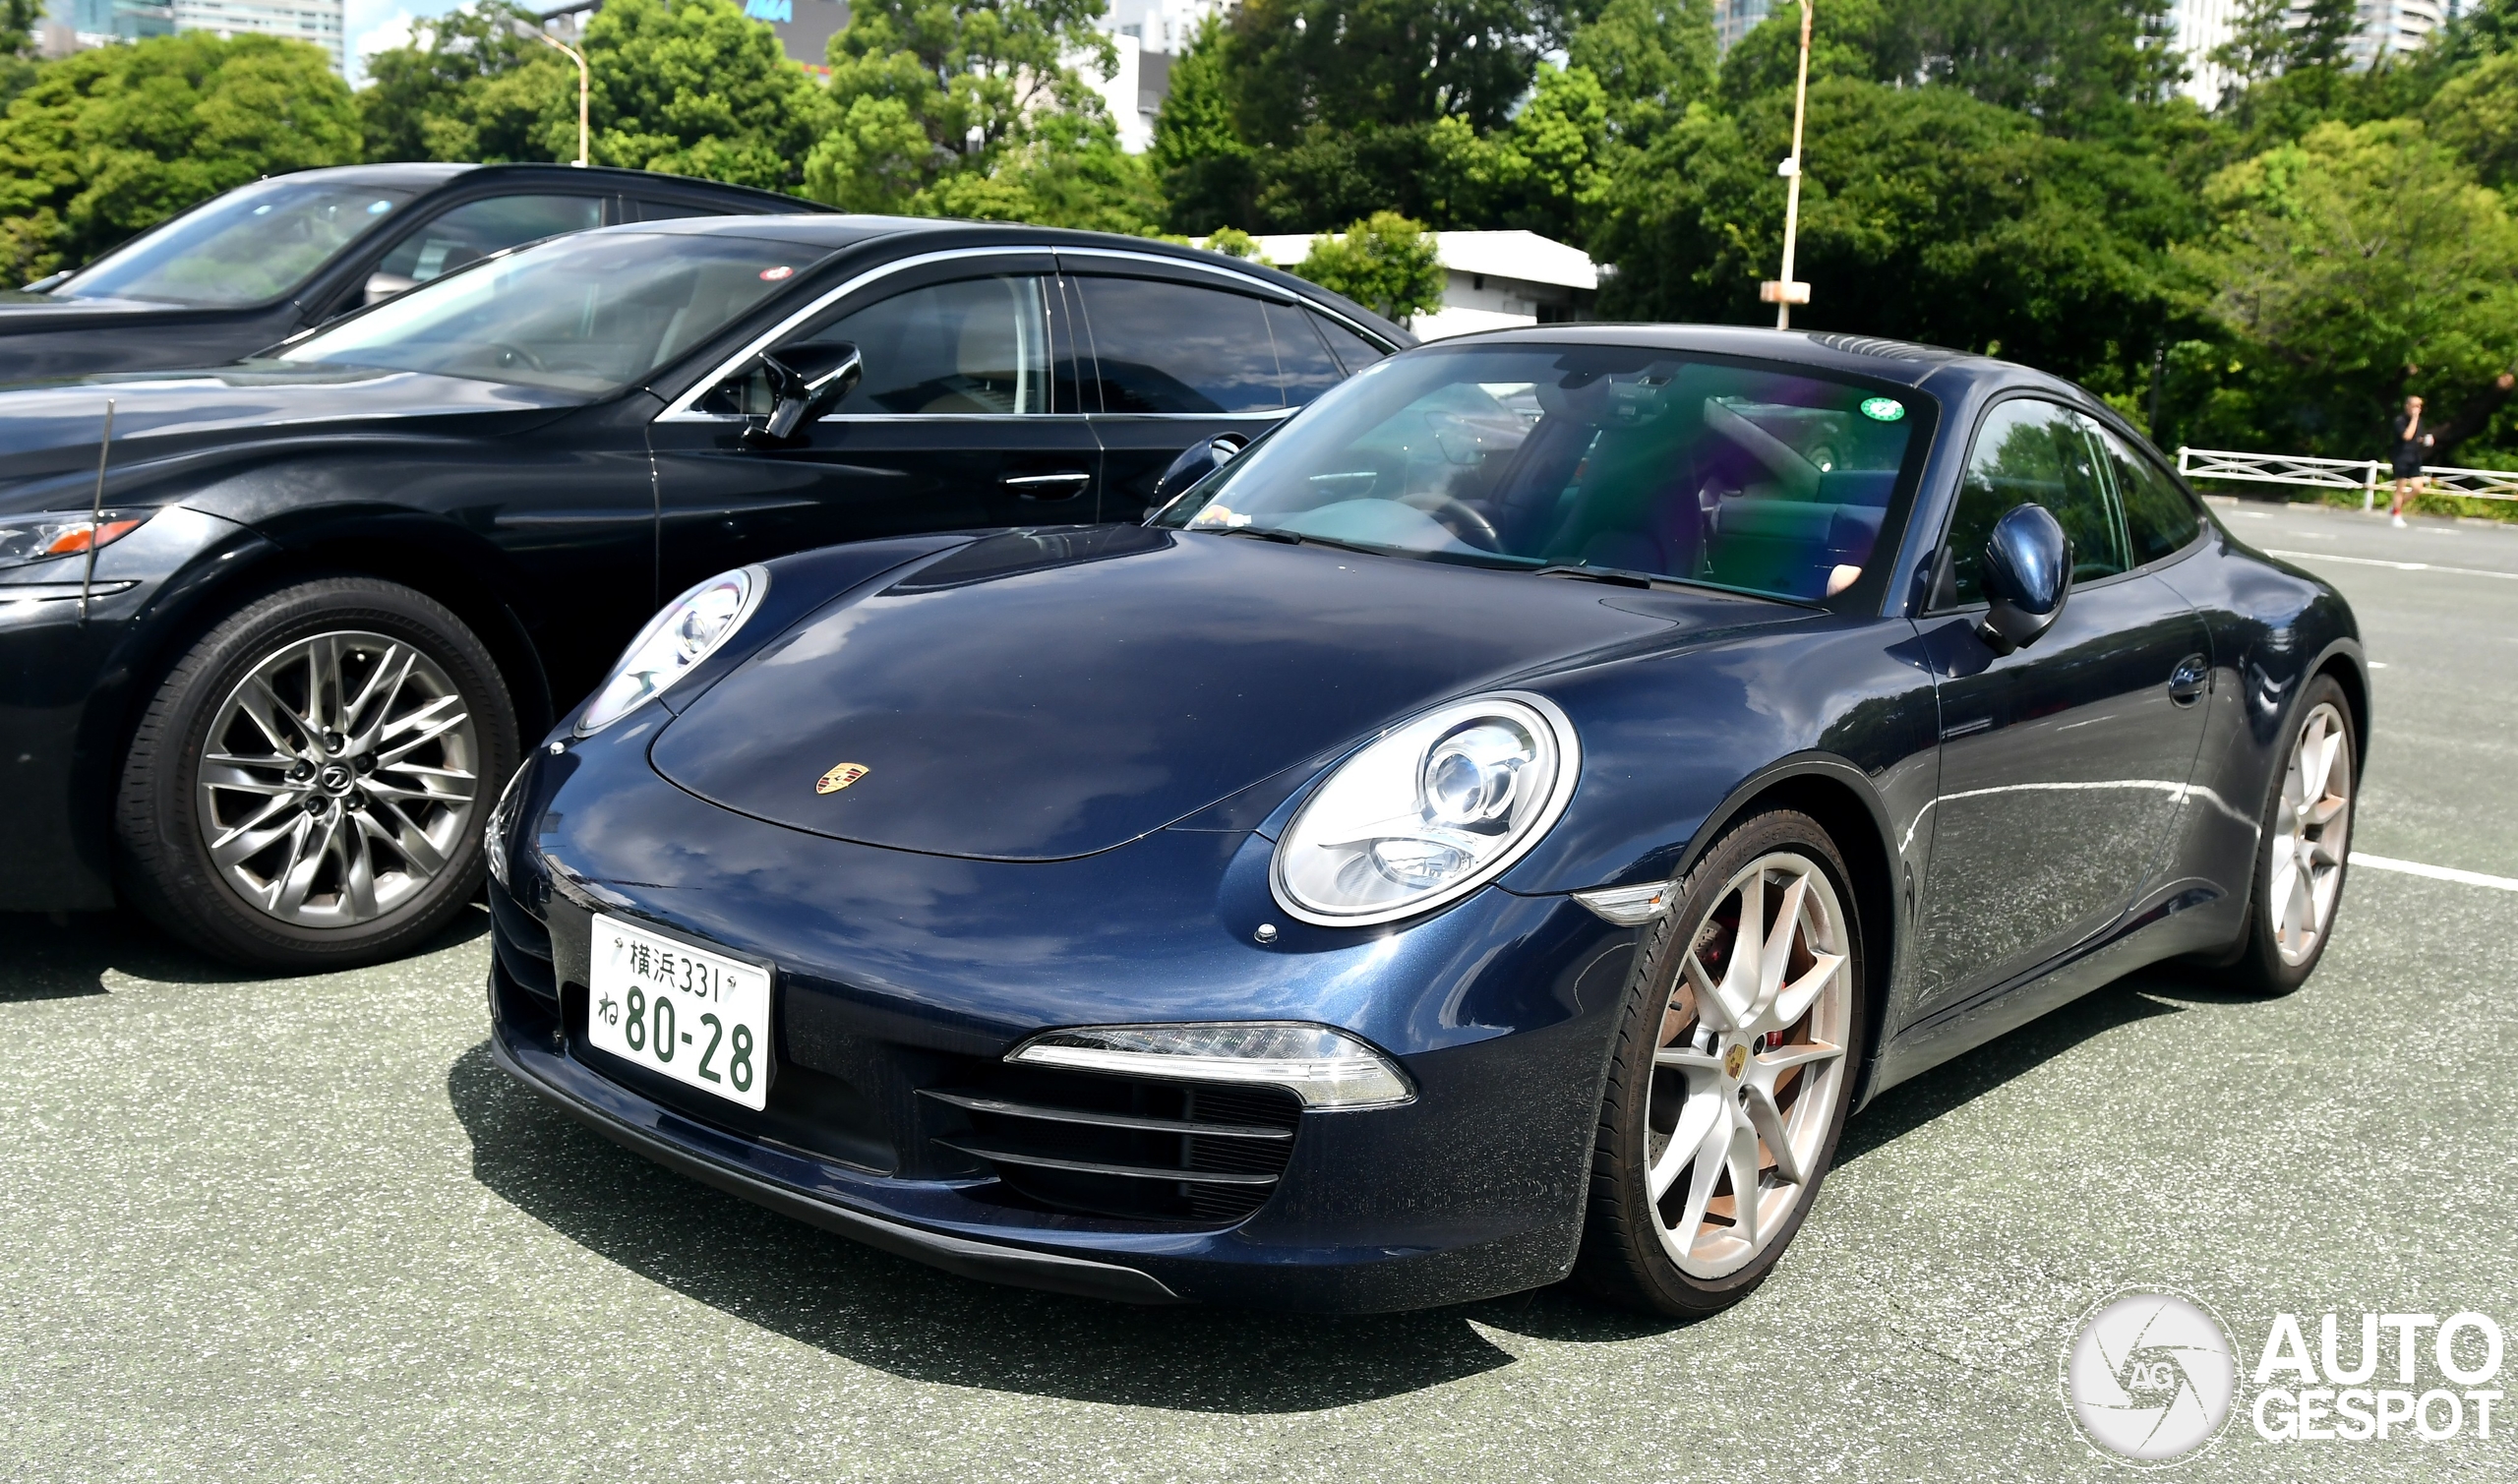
[691,629]
[60,534]
[1326,1068]
[1428,812]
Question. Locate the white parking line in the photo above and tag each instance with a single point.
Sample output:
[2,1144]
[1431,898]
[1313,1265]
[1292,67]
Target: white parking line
[2402,567]
[2434,872]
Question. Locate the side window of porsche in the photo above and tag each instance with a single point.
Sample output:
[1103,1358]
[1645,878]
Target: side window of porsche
[2031,452]
[2160,519]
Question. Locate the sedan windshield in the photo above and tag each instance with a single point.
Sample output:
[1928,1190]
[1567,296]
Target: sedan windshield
[257,242]
[593,313]
[1648,462]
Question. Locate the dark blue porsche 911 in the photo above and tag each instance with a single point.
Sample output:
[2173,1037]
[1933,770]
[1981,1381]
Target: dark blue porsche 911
[1497,826]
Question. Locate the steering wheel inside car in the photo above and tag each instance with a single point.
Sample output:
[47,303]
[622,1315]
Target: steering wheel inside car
[1480,531]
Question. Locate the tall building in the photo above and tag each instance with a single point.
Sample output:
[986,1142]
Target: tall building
[2392,27]
[1734,18]
[1149,33]
[315,21]
[2202,27]
[72,25]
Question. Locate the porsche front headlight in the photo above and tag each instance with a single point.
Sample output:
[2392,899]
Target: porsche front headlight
[1428,812]
[688,630]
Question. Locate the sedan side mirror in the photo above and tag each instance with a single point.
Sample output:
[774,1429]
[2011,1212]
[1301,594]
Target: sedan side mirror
[806,380]
[2027,575]
[1196,462]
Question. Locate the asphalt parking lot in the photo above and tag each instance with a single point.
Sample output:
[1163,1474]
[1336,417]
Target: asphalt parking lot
[304,1229]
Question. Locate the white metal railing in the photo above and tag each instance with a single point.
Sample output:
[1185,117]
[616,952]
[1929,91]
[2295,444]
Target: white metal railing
[2363,474]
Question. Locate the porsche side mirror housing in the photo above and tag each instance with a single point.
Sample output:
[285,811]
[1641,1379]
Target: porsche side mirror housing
[806,380]
[1196,462]
[2027,575]
[384,286]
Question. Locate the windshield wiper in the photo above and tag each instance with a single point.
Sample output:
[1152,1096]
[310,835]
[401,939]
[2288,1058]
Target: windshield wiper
[1616,575]
[1290,538]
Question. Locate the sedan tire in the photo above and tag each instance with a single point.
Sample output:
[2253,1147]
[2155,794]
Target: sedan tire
[306,790]
[1732,1073]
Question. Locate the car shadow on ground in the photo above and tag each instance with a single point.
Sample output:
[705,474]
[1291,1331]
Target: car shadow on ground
[1964,1078]
[65,955]
[923,1324]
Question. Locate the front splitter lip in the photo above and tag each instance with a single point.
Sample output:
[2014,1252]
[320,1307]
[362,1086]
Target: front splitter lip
[984,1260]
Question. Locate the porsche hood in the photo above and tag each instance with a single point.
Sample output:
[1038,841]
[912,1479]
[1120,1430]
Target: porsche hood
[1043,695]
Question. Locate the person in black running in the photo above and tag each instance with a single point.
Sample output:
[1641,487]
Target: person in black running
[2413,446]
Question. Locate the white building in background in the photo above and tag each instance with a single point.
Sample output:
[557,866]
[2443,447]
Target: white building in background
[1150,33]
[2202,27]
[316,21]
[1492,280]
[2392,27]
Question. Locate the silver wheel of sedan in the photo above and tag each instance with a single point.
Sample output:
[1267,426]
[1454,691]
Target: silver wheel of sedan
[2313,835]
[1745,1082]
[337,779]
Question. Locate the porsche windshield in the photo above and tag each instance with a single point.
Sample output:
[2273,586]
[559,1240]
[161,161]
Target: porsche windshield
[1648,462]
[592,313]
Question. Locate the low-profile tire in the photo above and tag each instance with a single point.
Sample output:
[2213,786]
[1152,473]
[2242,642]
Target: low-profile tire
[306,789]
[2304,848]
[1721,1055]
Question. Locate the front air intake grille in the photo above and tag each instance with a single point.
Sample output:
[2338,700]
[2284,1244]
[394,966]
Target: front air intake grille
[1124,1146]
[522,944]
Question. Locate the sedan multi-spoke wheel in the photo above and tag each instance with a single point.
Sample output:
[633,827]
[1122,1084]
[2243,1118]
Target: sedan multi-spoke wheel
[308,784]
[338,779]
[2307,847]
[1729,1085]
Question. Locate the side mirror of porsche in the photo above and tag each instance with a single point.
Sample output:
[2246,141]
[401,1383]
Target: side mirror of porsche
[2027,575]
[1196,462]
[806,380]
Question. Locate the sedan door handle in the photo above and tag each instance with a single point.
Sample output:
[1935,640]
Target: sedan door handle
[1065,485]
[2187,682]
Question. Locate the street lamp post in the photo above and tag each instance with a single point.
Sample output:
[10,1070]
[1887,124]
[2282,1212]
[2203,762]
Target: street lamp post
[584,83]
[1787,292]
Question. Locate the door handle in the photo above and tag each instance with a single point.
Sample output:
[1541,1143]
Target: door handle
[2186,683]
[1065,485]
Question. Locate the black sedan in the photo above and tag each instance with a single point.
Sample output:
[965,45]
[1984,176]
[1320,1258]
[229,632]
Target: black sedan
[1498,826]
[248,268]
[267,654]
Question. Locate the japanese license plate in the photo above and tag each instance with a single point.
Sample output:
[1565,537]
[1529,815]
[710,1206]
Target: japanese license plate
[698,1018]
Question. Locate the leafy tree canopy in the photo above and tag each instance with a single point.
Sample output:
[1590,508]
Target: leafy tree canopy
[469,87]
[694,88]
[1385,262]
[106,144]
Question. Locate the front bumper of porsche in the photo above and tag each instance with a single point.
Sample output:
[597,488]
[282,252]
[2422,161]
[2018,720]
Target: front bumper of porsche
[903,980]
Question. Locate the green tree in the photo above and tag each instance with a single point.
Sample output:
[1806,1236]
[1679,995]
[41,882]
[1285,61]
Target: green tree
[2476,114]
[2358,263]
[694,88]
[468,88]
[925,90]
[1383,64]
[2075,66]
[1542,171]
[1385,262]
[1206,170]
[1653,58]
[106,144]
[18,22]
[1926,214]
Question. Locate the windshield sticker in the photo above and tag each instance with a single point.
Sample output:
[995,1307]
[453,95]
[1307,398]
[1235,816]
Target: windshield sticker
[1883,409]
[1215,515]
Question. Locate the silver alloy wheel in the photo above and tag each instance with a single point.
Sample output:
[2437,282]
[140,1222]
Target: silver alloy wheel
[1749,1066]
[337,779]
[2311,834]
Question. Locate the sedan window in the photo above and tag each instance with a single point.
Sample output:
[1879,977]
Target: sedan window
[1174,347]
[254,243]
[2159,517]
[478,228]
[2031,452]
[592,313]
[1585,458]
